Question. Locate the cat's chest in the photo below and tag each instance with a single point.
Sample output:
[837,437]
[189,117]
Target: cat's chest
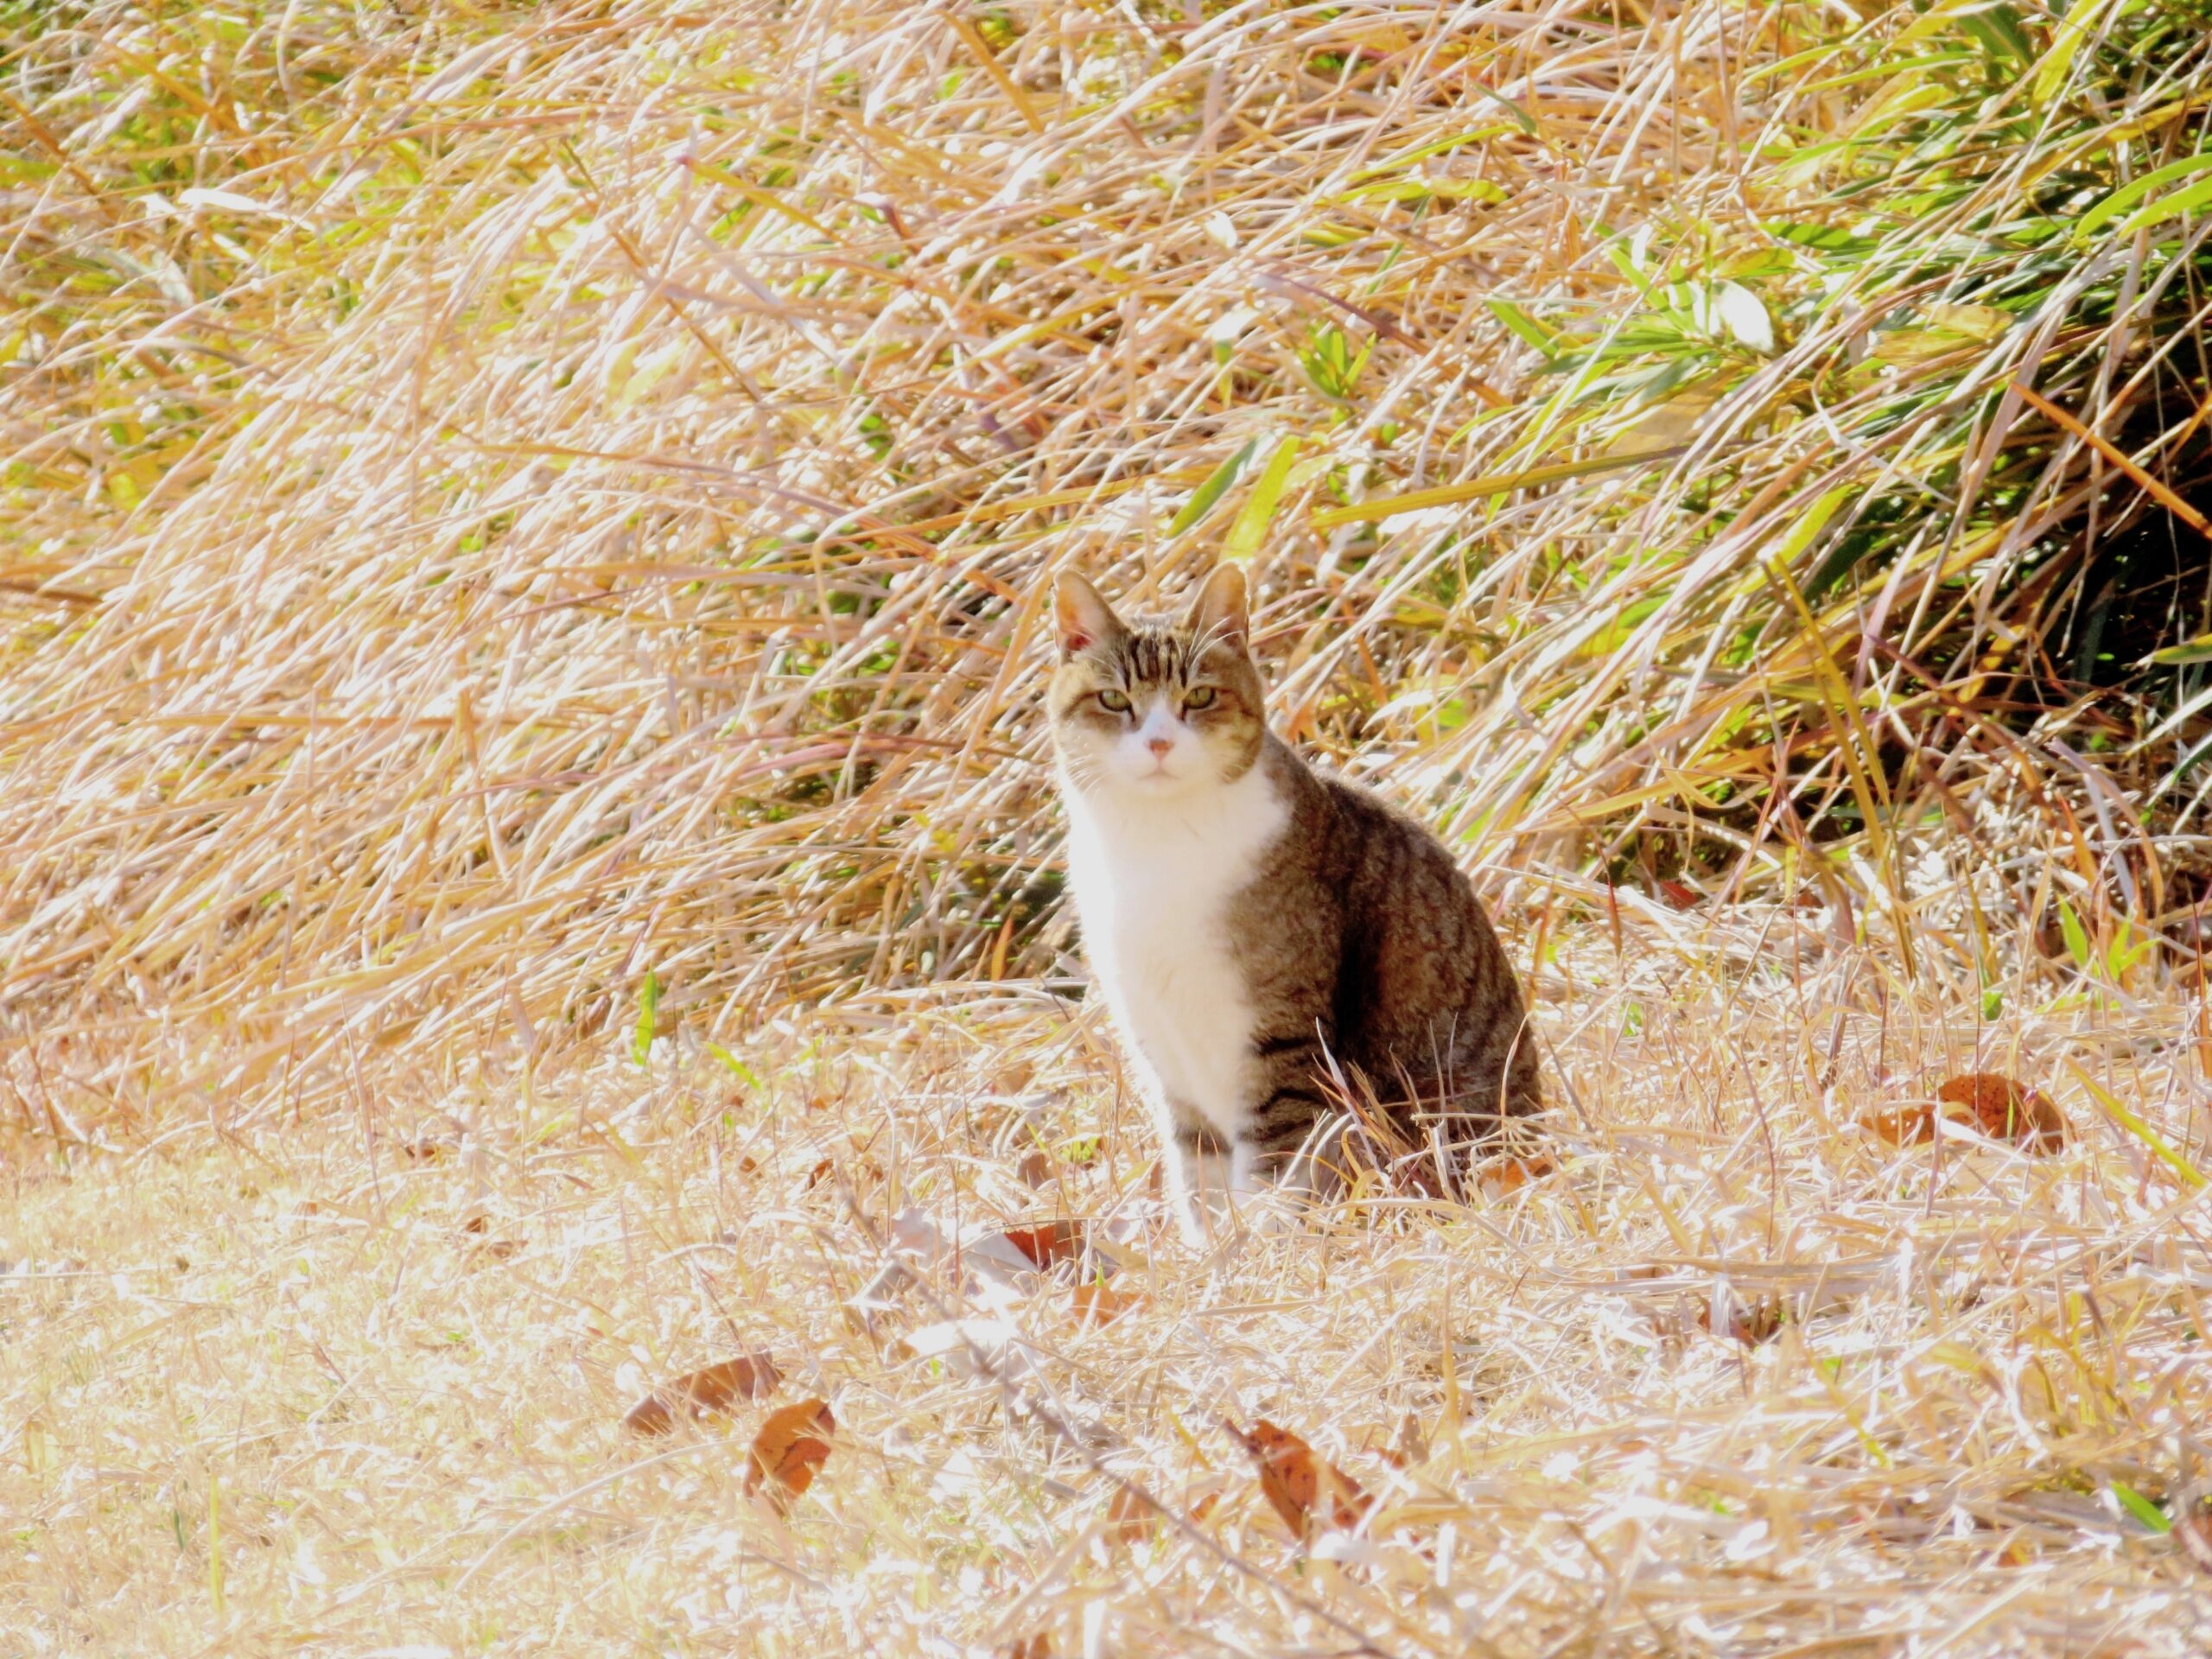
[1155,889]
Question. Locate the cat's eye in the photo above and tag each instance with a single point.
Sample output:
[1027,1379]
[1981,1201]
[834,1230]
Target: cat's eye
[1113,701]
[1198,696]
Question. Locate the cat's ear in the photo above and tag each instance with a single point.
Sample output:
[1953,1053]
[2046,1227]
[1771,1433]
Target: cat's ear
[1219,612]
[1084,617]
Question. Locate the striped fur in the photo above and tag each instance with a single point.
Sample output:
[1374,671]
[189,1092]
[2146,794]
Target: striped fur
[1265,935]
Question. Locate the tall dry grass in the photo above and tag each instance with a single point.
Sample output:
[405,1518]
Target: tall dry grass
[524,850]
[507,502]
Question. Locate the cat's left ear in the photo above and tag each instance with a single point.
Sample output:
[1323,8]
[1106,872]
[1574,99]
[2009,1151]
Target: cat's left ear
[1220,610]
[1083,614]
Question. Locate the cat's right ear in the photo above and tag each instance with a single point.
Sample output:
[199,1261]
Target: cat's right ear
[1083,615]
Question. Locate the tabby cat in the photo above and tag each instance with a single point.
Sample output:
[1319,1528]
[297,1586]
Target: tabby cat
[1270,940]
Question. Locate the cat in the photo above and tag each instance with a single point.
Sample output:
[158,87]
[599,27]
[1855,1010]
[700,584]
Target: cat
[1267,937]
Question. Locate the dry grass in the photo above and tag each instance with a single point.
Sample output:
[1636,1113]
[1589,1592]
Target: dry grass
[278,1396]
[523,535]
[509,502]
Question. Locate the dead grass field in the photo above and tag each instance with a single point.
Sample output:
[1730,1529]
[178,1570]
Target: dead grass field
[357,1386]
[527,866]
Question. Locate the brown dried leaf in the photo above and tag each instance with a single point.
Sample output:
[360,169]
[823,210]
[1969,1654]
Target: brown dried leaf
[1752,1324]
[1097,1304]
[1412,1449]
[1510,1174]
[1036,1646]
[791,1445]
[2193,1528]
[1910,1125]
[2004,1108]
[1054,1241]
[1035,1169]
[710,1391]
[1301,1485]
[1130,1516]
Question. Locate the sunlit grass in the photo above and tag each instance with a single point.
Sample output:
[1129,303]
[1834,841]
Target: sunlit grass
[507,507]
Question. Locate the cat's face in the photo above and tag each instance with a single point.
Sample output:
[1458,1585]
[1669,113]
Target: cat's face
[1145,710]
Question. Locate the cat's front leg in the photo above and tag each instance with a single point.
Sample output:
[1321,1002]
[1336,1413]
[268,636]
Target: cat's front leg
[1206,1174]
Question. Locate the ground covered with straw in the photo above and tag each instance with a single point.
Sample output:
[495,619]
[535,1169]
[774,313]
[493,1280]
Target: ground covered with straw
[1735,1376]
[527,865]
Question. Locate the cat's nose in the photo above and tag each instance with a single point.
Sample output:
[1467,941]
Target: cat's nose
[1160,745]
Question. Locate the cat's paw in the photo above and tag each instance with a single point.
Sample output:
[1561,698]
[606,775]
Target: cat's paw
[1208,1216]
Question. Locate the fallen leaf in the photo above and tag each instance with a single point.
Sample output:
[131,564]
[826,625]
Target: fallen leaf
[1911,1125]
[1752,1324]
[1298,1483]
[1055,1241]
[1679,895]
[2005,1110]
[820,1172]
[1130,1516]
[1038,1646]
[1204,1506]
[1097,1304]
[2193,1526]
[710,1391]
[791,1445]
[1412,1450]
[1035,1169]
[1510,1174]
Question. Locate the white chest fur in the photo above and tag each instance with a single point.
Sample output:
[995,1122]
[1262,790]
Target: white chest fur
[1153,881]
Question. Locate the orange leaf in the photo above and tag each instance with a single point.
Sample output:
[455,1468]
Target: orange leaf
[710,1391]
[1298,1483]
[791,1445]
[1055,1241]
[1096,1304]
[2005,1110]
[1913,1125]
[1129,1517]
[1752,1324]
[1510,1174]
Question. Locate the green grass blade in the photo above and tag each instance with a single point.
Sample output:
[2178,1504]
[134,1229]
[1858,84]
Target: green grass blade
[1258,512]
[2135,1126]
[641,1040]
[1202,499]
